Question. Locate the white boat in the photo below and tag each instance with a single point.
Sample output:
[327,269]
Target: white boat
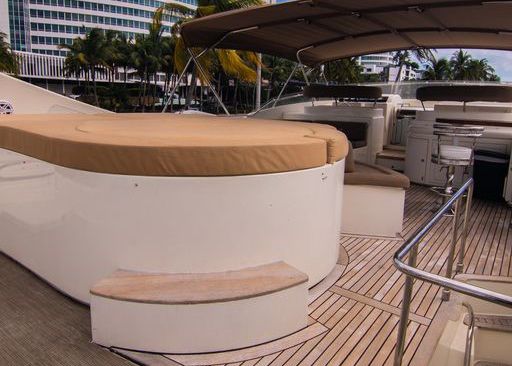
[207,238]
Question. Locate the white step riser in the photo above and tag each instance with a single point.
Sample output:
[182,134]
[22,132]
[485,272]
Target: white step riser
[397,165]
[198,328]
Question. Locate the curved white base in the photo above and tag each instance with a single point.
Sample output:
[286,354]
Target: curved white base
[373,210]
[198,328]
[74,227]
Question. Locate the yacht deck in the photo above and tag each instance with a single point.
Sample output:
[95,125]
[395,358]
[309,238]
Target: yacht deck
[353,321]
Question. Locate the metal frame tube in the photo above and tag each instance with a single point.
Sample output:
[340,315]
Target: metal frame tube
[462,250]
[409,269]
[177,85]
[285,84]
[199,55]
[404,313]
[202,71]
[469,335]
[451,255]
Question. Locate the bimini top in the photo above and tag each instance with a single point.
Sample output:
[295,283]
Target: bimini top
[177,145]
[326,30]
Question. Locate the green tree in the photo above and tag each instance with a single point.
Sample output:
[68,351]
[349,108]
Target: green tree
[481,70]
[438,70]
[465,67]
[240,65]
[8,62]
[121,55]
[91,53]
[344,71]
[276,72]
[459,64]
[404,58]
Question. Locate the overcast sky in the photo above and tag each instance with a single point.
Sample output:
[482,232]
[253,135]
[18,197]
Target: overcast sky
[500,60]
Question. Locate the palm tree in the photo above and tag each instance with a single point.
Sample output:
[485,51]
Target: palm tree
[8,62]
[240,65]
[168,67]
[76,63]
[276,72]
[344,71]
[480,70]
[404,58]
[145,58]
[459,63]
[91,52]
[438,70]
[123,47]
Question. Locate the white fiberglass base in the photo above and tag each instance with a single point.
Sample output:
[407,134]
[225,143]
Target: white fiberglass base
[373,210]
[198,328]
[74,227]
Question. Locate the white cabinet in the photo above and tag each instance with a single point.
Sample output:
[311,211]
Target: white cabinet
[416,159]
[420,168]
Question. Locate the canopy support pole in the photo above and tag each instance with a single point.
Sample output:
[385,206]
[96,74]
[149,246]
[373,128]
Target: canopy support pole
[194,58]
[176,86]
[205,76]
[302,67]
[285,85]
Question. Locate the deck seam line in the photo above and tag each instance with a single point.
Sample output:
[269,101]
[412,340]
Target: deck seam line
[379,305]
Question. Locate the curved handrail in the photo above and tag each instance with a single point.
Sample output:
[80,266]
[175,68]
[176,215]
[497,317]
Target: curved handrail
[410,247]
[452,284]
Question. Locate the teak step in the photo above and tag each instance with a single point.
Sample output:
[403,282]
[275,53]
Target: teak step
[395,147]
[488,321]
[391,154]
[200,312]
[198,288]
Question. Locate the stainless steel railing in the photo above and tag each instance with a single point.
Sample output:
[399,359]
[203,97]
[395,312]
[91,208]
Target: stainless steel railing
[410,247]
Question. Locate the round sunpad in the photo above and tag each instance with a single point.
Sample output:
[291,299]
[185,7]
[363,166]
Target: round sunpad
[172,145]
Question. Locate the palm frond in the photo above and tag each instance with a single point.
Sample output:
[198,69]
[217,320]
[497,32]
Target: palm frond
[234,66]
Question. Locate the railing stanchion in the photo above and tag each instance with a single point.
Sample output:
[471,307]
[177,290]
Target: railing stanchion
[410,247]
[406,306]
[451,255]
[469,197]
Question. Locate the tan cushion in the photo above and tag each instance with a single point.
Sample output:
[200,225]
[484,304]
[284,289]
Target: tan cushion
[350,163]
[374,175]
[172,145]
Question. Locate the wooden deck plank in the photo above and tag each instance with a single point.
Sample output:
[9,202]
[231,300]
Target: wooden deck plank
[503,249]
[250,353]
[285,355]
[343,350]
[40,326]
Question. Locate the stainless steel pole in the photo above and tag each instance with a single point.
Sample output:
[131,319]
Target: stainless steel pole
[201,70]
[285,84]
[177,84]
[258,84]
[469,197]
[449,266]
[406,307]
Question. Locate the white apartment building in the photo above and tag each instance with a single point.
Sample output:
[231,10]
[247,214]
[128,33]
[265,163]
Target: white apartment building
[39,26]
[377,64]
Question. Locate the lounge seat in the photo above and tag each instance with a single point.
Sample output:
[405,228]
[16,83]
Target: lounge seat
[375,175]
[181,145]
[373,200]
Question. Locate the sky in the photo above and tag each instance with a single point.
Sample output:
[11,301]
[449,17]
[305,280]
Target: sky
[500,60]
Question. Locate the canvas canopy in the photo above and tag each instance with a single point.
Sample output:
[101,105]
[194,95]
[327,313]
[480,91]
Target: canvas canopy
[325,30]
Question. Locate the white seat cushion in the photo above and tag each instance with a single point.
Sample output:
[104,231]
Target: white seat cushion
[455,152]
